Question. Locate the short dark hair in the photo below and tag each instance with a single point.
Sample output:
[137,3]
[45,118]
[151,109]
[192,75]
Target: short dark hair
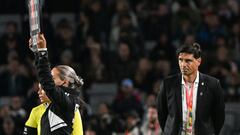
[194,49]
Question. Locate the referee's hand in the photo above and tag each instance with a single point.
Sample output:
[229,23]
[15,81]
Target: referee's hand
[41,43]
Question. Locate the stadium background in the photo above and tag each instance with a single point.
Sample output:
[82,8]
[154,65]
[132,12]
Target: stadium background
[118,45]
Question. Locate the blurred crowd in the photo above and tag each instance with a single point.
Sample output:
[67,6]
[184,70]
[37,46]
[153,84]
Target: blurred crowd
[128,42]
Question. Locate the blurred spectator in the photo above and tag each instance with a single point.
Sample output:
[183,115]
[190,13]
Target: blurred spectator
[97,70]
[91,126]
[234,6]
[183,30]
[89,131]
[98,20]
[156,85]
[161,69]
[234,40]
[210,28]
[185,14]
[163,49]
[11,40]
[227,12]
[125,30]
[95,63]
[224,68]
[150,125]
[14,79]
[149,101]
[155,18]
[65,40]
[123,7]
[142,77]
[105,120]
[32,99]
[4,113]
[104,124]
[82,27]
[233,94]
[189,39]
[220,41]
[123,63]
[17,112]
[221,67]
[66,58]
[127,99]
[123,25]
[16,107]
[9,127]
[132,123]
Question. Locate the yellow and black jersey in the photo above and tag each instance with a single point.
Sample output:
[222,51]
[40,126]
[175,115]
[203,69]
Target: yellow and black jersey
[62,113]
[33,124]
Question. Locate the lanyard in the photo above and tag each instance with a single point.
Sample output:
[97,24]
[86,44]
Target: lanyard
[189,97]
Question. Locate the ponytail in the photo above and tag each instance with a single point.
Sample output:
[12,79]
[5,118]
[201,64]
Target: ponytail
[67,73]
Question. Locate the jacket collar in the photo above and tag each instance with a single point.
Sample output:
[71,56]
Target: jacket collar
[196,81]
[70,91]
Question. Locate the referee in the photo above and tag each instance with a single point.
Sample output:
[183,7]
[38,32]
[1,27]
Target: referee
[59,114]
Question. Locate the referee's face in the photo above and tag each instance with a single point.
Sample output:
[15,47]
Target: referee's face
[56,78]
[42,95]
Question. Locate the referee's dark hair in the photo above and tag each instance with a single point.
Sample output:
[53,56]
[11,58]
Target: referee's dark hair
[68,73]
[194,49]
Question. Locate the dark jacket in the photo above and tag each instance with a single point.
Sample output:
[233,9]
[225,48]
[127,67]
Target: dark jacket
[58,117]
[209,108]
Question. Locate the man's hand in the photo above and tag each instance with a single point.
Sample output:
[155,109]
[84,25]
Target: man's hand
[41,42]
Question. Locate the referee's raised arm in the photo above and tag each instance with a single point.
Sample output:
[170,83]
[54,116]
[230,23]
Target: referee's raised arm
[60,85]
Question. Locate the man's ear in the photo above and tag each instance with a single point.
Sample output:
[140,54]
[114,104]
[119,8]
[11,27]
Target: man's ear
[199,60]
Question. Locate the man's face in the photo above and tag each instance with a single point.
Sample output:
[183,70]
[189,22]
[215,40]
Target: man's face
[152,114]
[188,64]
